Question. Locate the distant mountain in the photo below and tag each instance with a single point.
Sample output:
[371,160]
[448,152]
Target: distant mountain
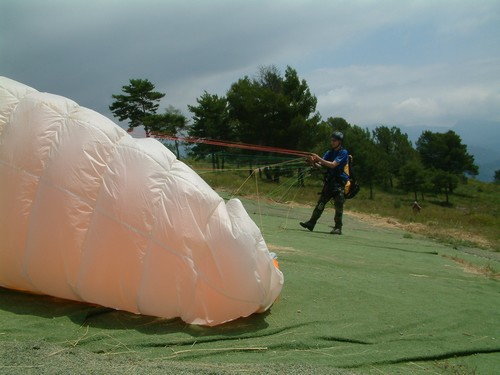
[482,140]
[482,134]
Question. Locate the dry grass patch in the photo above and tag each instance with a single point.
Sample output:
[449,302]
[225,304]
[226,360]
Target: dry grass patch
[282,249]
[430,229]
[474,269]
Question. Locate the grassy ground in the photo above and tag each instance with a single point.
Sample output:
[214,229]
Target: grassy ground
[380,299]
[374,300]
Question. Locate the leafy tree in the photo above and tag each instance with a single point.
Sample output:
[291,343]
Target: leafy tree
[396,148]
[413,176]
[383,140]
[301,110]
[172,123]
[139,101]
[497,176]
[444,182]
[244,99]
[211,120]
[445,153]
[273,110]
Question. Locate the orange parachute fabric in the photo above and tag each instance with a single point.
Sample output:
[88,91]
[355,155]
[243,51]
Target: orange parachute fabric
[89,213]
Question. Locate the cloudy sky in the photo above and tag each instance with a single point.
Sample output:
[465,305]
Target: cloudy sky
[427,62]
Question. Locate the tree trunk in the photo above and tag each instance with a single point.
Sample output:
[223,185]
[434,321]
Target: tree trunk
[177,149]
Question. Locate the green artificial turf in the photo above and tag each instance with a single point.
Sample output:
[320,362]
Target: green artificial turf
[371,301]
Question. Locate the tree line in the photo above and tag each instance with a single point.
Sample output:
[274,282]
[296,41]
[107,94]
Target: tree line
[279,110]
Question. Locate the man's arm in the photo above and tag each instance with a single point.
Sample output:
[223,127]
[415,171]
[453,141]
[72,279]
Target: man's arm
[323,162]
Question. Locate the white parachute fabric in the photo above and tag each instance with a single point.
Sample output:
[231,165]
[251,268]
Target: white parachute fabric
[89,213]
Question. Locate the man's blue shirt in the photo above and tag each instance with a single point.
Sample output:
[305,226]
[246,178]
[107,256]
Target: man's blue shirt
[341,156]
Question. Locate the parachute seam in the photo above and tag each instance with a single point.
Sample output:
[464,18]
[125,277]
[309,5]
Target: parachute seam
[95,206]
[54,141]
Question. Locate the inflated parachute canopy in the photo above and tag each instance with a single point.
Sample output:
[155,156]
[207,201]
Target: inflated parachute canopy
[88,213]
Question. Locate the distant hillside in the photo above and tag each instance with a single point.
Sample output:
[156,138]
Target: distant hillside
[481,140]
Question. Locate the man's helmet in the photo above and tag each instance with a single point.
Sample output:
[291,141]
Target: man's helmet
[338,135]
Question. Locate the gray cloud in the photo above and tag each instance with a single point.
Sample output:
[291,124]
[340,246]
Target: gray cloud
[387,61]
[440,94]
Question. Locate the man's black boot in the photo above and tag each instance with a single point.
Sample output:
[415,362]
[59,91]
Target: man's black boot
[308,225]
[312,221]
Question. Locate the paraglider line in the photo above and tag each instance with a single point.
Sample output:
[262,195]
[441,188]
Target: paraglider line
[247,146]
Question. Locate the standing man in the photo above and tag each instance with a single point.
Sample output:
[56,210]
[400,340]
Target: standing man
[335,179]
